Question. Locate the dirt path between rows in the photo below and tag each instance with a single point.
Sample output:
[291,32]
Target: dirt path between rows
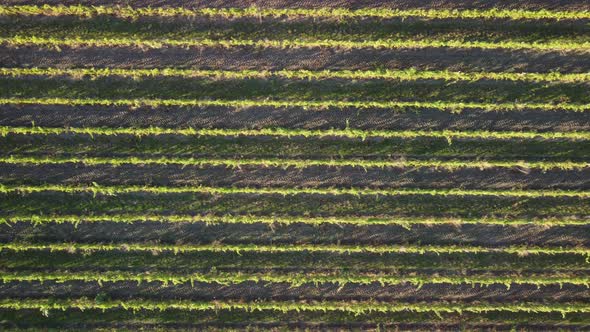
[266,117]
[238,58]
[309,177]
[250,291]
[195,233]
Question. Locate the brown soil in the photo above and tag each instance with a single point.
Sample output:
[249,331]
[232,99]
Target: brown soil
[310,177]
[251,291]
[152,232]
[312,59]
[265,117]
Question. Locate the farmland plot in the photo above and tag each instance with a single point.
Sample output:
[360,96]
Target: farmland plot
[281,165]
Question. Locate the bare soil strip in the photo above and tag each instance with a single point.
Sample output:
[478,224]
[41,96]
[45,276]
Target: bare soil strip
[240,58]
[268,147]
[190,233]
[176,320]
[251,291]
[50,202]
[309,177]
[494,263]
[264,117]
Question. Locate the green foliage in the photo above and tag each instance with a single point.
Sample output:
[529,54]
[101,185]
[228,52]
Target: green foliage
[406,222]
[337,249]
[552,45]
[134,13]
[359,307]
[389,74]
[453,107]
[114,190]
[449,165]
[287,132]
[295,279]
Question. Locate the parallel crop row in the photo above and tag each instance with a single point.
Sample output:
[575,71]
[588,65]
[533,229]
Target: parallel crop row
[134,13]
[285,220]
[337,249]
[295,279]
[296,163]
[286,132]
[453,107]
[389,74]
[360,32]
[552,45]
[114,190]
[358,307]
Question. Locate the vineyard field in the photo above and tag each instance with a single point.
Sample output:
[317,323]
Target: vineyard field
[278,165]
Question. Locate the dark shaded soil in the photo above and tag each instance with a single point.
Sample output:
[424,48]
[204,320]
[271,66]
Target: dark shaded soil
[250,261]
[257,320]
[250,291]
[298,205]
[301,90]
[296,147]
[309,177]
[239,58]
[183,233]
[265,117]
[290,28]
